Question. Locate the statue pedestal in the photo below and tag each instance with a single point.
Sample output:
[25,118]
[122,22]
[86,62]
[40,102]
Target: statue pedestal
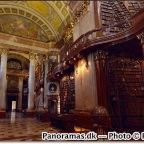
[30,113]
[43,114]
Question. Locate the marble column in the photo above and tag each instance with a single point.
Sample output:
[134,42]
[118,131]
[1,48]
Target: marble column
[31,82]
[100,63]
[58,58]
[85,84]
[20,93]
[3,71]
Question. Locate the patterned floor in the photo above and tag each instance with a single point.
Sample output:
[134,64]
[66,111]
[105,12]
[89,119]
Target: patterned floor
[17,128]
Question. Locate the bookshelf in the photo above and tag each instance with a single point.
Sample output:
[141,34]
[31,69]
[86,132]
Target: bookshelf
[67,94]
[106,14]
[108,18]
[126,93]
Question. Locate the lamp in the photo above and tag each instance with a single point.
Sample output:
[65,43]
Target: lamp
[41,89]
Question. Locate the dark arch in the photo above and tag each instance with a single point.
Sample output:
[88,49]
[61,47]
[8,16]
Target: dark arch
[13,63]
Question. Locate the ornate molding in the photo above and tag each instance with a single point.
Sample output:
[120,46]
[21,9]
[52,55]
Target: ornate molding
[32,55]
[141,37]
[80,11]
[68,34]
[21,78]
[100,55]
[41,58]
[3,50]
[25,44]
[19,73]
[45,57]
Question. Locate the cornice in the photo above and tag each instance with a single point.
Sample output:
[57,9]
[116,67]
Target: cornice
[24,44]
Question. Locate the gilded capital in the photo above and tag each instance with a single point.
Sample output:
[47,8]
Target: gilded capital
[68,34]
[100,55]
[20,78]
[45,57]
[32,55]
[3,50]
[141,37]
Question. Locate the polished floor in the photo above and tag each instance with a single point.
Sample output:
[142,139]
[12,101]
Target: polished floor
[17,128]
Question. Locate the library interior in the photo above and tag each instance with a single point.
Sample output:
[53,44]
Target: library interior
[71,66]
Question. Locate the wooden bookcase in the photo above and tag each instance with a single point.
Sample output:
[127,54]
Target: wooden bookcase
[126,93]
[135,6]
[113,12]
[108,18]
[72,95]
[106,14]
[67,94]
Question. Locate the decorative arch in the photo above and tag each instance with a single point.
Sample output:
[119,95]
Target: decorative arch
[15,58]
[14,64]
[51,17]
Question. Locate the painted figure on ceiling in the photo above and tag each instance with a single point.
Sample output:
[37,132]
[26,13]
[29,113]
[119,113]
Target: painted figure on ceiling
[21,26]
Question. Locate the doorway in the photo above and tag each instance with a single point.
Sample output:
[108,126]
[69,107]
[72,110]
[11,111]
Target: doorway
[52,106]
[11,103]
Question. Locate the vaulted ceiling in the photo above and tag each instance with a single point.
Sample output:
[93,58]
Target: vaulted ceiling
[40,20]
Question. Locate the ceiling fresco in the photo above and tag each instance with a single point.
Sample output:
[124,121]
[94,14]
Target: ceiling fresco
[20,26]
[40,20]
[39,6]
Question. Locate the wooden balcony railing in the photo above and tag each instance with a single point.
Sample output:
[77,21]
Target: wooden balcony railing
[60,67]
[91,38]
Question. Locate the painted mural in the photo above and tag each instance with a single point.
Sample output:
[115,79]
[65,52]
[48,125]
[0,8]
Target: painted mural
[21,26]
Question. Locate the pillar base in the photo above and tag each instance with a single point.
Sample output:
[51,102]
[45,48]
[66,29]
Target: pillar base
[43,116]
[2,113]
[30,113]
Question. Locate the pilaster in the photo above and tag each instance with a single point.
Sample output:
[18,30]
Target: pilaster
[100,63]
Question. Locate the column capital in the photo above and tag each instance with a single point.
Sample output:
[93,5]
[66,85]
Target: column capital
[141,37]
[100,55]
[3,50]
[32,55]
[21,78]
[43,57]
[46,56]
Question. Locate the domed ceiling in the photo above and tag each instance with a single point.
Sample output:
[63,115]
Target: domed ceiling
[39,20]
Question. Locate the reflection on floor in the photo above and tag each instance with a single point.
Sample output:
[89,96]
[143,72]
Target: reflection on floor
[17,128]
